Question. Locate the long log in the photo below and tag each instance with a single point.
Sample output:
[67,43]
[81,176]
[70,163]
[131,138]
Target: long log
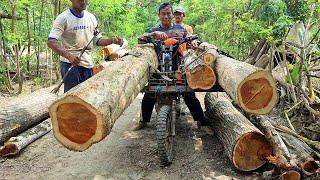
[244,144]
[15,144]
[86,114]
[199,74]
[253,89]
[23,112]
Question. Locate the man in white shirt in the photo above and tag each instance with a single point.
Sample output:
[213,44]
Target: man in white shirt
[75,28]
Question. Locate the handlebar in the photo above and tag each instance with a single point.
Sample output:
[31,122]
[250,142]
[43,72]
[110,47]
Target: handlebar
[150,39]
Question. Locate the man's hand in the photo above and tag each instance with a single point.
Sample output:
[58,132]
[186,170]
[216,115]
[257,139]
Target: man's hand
[75,60]
[118,41]
[159,35]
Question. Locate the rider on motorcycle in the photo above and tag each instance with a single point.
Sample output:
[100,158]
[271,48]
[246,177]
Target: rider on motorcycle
[166,30]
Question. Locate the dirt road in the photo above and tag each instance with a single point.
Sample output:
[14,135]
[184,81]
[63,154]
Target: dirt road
[126,154]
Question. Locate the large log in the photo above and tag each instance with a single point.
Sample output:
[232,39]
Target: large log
[85,115]
[15,144]
[23,112]
[253,89]
[199,75]
[244,144]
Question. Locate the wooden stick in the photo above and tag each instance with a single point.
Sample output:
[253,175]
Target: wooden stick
[313,144]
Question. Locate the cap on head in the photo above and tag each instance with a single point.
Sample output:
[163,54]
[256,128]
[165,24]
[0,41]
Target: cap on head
[179,10]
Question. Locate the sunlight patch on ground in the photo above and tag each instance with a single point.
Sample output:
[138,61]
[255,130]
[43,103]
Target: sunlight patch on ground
[130,135]
[198,146]
[214,176]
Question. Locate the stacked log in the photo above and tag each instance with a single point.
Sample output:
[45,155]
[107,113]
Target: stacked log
[199,75]
[252,88]
[24,112]
[86,114]
[244,144]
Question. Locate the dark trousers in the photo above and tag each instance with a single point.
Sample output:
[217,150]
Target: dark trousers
[189,98]
[77,75]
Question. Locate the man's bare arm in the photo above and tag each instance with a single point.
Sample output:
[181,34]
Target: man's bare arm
[105,42]
[53,44]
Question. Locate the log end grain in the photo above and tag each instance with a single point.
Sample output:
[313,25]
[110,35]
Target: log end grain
[309,167]
[9,149]
[202,77]
[257,93]
[250,151]
[290,175]
[76,124]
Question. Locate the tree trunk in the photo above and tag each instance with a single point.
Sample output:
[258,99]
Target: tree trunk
[29,40]
[263,61]
[253,89]
[16,144]
[244,144]
[22,112]
[7,79]
[199,75]
[86,114]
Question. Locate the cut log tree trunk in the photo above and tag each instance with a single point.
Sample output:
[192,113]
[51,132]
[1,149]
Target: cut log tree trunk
[85,115]
[199,74]
[15,144]
[244,144]
[263,61]
[23,112]
[252,88]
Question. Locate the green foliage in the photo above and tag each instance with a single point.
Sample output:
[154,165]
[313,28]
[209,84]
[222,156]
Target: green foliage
[234,26]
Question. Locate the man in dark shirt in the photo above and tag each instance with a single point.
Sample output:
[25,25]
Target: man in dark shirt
[166,30]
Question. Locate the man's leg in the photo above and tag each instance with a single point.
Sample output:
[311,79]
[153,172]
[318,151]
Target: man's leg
[195,108]
[73,77]
[147,107]
[85,73]
[146,111]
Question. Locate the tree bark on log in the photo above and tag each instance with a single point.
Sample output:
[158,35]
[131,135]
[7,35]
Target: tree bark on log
[280,153]
[23,112]
[85,115]
[244,144]
[296,151]
[301,153]
[98,68]
[209,51]
[15,144]
[199,75]
[253,89]
[262,62]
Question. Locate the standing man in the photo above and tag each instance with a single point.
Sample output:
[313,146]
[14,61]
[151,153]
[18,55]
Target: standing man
[163,31]
[179,15]
[75,28]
